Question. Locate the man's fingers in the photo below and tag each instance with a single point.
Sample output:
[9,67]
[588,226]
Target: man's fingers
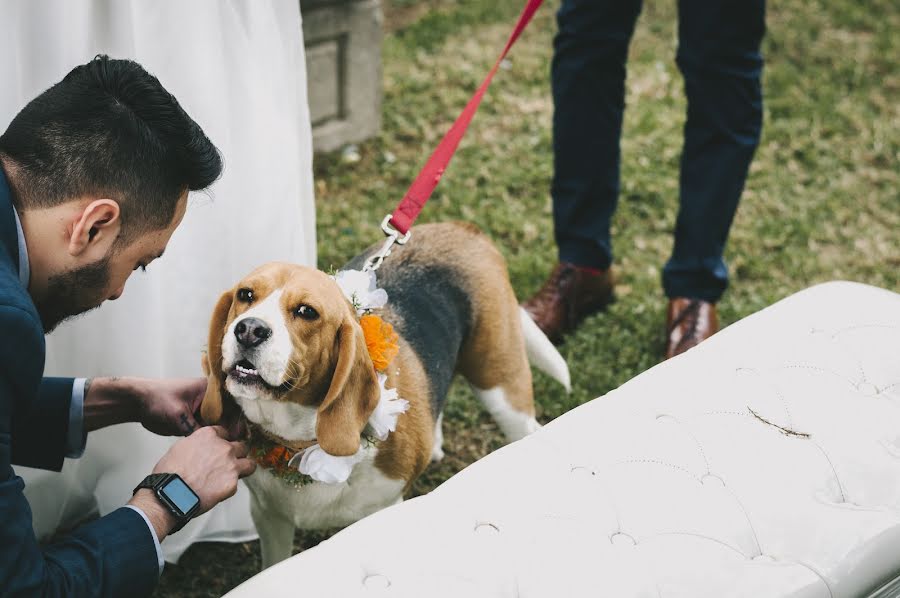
[186,424]
[245,467]
[220,431]
[236,428]
[198,390]
[240,449]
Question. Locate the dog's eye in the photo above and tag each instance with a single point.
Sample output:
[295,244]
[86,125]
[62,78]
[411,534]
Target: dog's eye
[245,296]
[306,312]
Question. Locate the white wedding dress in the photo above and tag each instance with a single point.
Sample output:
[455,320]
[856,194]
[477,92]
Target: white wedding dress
[237,67]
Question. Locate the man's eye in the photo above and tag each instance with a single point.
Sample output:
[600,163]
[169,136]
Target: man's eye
[245,296]
[306,312]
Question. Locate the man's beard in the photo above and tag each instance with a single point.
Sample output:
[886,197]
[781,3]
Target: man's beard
[73,293]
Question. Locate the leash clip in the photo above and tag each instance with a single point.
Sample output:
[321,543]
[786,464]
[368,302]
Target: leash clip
[393,236]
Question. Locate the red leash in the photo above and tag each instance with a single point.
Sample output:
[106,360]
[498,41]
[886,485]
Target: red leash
[396,226]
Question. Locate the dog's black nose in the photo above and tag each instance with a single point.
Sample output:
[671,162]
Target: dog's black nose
[251,332]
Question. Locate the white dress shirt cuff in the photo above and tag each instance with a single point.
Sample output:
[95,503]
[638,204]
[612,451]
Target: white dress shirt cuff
[76,438]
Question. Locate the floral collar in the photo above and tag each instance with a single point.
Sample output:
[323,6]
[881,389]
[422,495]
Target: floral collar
[301,463]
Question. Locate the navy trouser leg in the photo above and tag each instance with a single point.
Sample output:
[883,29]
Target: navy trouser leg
[588,75]
[719,57]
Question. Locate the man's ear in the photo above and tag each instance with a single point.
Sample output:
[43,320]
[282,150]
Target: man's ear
[98,222]
[211,407]
[352,395]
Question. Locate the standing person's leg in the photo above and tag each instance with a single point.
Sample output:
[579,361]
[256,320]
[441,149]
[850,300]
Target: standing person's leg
[588,76]
[719,57]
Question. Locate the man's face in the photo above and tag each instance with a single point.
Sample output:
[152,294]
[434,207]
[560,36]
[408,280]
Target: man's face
[86,287]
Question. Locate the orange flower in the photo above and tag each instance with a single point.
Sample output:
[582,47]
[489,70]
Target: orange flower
[276,458]
[381,341]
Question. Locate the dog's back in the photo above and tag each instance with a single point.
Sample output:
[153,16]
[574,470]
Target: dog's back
[434,297]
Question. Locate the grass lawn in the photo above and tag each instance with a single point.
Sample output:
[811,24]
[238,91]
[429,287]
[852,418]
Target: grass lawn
[822,201]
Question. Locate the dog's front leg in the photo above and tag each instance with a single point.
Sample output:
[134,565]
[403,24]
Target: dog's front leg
[276,534]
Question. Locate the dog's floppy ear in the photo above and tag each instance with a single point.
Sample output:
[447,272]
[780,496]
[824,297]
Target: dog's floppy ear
[211,407]
[352,396]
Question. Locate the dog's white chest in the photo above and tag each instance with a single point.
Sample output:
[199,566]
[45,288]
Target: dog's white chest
[287,420]
[319,505]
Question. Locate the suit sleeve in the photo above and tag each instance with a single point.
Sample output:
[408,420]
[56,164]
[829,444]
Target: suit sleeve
[40,421]
[41,431]
[112,556]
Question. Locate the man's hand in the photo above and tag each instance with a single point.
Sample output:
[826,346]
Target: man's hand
[167,407]
[164,407]
[170,408]
[208,462]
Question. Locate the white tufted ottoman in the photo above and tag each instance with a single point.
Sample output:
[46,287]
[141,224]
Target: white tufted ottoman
[763,463]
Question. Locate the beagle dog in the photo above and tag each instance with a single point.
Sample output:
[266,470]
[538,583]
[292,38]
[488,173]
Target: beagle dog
[286,347]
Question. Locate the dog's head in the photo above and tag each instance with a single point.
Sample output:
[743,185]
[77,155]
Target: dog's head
[287,333]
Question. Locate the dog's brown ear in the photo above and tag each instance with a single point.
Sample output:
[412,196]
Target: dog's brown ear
[211,407]
[352,395]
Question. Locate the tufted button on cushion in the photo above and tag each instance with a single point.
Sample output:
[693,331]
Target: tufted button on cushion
[867,388]
[376,582]
[622,539]
[487,529]
[765,462]
[712,481]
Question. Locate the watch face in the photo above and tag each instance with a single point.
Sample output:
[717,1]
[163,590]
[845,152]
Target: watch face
[180,495]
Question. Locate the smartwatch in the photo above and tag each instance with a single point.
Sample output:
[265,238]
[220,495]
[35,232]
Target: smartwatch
[182,502]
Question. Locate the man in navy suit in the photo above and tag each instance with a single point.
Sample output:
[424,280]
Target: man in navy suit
[94,178]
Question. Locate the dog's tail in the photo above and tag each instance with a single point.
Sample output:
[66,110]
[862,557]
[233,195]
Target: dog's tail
[542,354]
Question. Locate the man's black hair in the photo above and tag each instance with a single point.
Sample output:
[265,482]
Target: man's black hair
[109,129]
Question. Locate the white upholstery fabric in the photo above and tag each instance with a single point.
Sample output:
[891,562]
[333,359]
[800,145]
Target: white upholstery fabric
[669,486]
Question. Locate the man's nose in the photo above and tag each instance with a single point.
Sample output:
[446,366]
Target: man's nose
[251,332]
[117,293]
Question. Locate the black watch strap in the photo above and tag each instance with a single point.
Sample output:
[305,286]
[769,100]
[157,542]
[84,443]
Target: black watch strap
[151,481]
[156,481]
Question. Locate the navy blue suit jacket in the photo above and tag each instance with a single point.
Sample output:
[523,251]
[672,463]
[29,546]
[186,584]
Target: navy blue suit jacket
[112,556]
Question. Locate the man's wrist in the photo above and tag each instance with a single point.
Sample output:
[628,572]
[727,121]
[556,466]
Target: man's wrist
[162,520]
[110,401]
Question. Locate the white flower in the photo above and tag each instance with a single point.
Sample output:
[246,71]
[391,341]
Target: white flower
[360,289]
[328,469]
[383,420]
[325,468]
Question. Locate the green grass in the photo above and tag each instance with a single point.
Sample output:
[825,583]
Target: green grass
[821,203]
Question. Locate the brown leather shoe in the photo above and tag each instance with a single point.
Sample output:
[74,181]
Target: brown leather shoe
[569,295]
[688,322]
